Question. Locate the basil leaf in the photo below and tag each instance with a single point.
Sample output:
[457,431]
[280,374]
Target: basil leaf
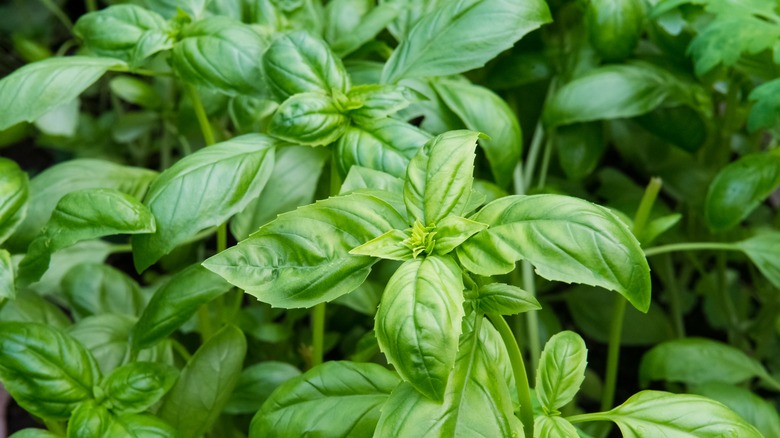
[14,192]
[461,36]
[383,144]
[48,187]
[28,306]
[418,322]
[556,426]
[88,251]
[257,383]
[302,258]
[7,289]
[83,215]
[311,119]
[34,89]
[34,433]
[95,288]
[580,147]
[387,246]
[352,23]
[127,32]
[439,177]
[145,426]
[47,372]
[91,419]
[734,366]
[377,101]
[134,387]
[727,38]
[203,190]
[615,26]
[298,62]
[482,110]
[762,250]
[136,91]
[454,230]
[205,384]
[754,409]
[176,302]
[351,392]
[740,187]
[292,184]
[505,299]
[221,54]
[765,112]
[561,371]
[360,177]
[566,239]
[658,413]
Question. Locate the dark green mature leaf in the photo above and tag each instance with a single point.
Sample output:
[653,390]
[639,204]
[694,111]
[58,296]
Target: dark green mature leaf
[439,177]
[554,426]
[579,147]
[352,23]
[476,403]
[36,88]
[256,385]
[126,32]
[291,184]
[740,187]
[762,250]
[505,299]
[14,192]
[419,320]
[176,302]
[205,384]
[308,404]
[298,62]
[134,387]
[221,54]
[566,239]
[663,363]
[83,215]
[561,370]
[462,35]
[483,110]
[7,289]
[311,119]
[658,413]
[47,188]
[47,372]
[621,90]
[615,26]
[754,409]
[765,113]
[203,190]
[385,145]
[302,258]
[95,288]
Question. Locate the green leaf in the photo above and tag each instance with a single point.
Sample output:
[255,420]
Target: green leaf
[658,413]
[476,403]
[463,35]
[292,184]
[28,306]
[46,371]
[619,91]
[360,177]
[505,299]
[377,101]
[311,119]
[298,62]
[134,387]
[580,147]
[765,112]
[385,145]
[221,54]
[302,258]
[762,250]
[7,289]
[145,426]
[91,419]
[48,187]
[83,215]
[203,190]
[14,192]
[88,251]
[36,88]
[419,320]
[127,32]
[388,246]
[561,371]
[554,426]
[205,384]
[454,230]
[307,405]
[439,177]
[94,288]
[352,23]
[663,363]
[135,91]
[726,39]
[34,433]
[615,26]
[176,302]
[256,385]
[482,110]
[755,410]
[740,187]
[566,239]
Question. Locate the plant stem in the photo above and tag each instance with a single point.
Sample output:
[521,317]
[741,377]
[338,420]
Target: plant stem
[531,318]
[672,287]
[645,206]
[91,5]
[548,146]
[176,345]
[59,13]
[55,427]
[317,333]
[690,246]
[533,154]
[200,114]
[518,368]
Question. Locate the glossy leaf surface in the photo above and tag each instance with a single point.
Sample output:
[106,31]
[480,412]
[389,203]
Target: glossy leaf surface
[561,370]
[134,387]
[93,288]
[14,192]
[311,119]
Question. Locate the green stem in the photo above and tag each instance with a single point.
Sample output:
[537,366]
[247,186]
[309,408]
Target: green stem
[59,13]
[581,418]
[518,368]
[666,272]
[531,318]
[690,246]
[613,352]
[181,350]
[91,5]
[55,427]
[200,114]
[317,333]
[645,206]
[533,154]
[548,146]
